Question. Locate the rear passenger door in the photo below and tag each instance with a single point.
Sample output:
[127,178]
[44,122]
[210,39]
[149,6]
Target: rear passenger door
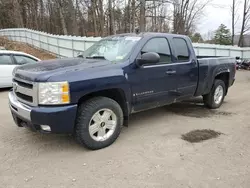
[6,68]
[186,67]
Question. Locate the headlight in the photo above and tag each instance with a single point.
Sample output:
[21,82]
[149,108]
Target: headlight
[53,93]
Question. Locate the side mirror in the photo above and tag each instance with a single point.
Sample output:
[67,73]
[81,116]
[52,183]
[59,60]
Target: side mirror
[148,58]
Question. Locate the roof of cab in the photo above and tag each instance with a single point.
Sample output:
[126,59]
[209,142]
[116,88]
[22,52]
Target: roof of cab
[148,34]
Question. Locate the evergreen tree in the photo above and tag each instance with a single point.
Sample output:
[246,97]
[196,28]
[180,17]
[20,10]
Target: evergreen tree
[196,37]
[222,35]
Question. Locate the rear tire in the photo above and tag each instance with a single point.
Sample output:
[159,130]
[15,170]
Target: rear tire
[99,122]
[215,98]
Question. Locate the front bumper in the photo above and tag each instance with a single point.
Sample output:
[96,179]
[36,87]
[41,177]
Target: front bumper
[60,119]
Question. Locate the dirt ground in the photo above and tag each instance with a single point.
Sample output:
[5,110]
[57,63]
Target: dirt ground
[149,153]
[19,46]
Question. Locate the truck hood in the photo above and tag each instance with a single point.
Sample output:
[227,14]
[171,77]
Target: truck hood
[45,69]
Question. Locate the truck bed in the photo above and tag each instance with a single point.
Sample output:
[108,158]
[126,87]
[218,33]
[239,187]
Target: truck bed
[209,68]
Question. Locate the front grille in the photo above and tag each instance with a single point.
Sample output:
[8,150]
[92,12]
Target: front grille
[23,84]
[25,91]
[24,97]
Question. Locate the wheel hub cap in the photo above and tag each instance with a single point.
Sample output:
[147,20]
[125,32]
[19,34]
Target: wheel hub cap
[218,94]
[102,125]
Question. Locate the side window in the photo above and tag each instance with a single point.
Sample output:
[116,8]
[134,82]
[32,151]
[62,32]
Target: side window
[24,59]
[160,46]
[5,60]
[181,48]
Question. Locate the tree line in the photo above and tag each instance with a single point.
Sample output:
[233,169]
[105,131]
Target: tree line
[102,18]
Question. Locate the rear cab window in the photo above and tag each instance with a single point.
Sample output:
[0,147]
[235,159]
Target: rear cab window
[181,49]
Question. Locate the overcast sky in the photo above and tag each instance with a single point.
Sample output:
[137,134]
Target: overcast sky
[216,13]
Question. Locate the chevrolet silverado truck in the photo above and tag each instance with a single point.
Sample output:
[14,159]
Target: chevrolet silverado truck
[93,95]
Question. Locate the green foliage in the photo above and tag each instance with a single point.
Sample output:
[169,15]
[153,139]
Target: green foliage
[222,35]
[197,38]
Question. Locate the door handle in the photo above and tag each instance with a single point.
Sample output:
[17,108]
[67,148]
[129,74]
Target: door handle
[170,72]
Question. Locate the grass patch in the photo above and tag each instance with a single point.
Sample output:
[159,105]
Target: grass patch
[200,135]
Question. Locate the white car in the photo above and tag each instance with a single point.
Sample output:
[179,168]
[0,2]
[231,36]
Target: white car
[8,61]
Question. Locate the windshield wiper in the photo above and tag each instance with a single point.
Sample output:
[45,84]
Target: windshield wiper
[95,57]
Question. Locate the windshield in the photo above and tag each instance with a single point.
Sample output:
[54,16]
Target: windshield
[114,48]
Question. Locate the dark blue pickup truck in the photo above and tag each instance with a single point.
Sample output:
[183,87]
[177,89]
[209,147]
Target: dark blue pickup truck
[93,96]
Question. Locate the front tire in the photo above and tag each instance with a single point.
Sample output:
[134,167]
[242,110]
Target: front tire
[216,96]
[99,122]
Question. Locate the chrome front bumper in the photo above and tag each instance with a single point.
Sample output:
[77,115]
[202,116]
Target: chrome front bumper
[18,108]
[60,119]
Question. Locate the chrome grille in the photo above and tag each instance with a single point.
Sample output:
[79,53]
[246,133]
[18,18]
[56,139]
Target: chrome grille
[25,91]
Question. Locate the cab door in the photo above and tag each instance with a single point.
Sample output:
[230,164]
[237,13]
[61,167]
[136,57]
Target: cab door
[154,85]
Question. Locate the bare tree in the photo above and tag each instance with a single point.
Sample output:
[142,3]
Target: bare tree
[100,18]
[16,13]
[245,22]
[235,17]
[142,15]
[41,15]
[233,21]
[111,18]
[72,18]
[133,15]
[186,13]
[94,16]
[62,19]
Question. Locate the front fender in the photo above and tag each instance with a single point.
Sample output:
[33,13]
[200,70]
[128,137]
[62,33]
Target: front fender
[113,79]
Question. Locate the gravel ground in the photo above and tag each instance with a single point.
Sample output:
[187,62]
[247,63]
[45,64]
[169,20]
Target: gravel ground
[149,153]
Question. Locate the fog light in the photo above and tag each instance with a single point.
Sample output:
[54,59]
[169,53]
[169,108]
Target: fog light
[45,127]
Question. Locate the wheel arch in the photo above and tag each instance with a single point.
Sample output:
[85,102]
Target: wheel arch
[116,94]
[224,76]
